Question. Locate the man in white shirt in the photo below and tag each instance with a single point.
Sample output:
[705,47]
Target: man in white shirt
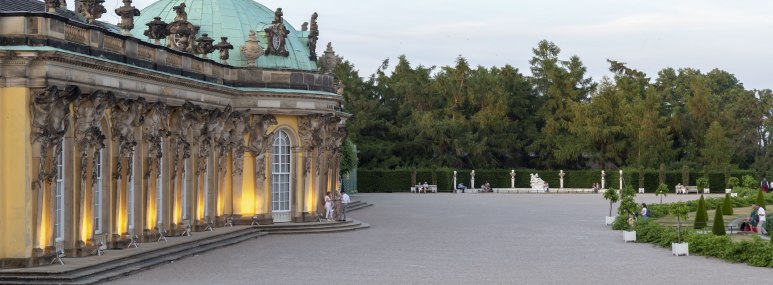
[761,222]
[345,202]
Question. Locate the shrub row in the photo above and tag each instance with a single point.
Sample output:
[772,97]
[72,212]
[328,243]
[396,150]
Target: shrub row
[400,180]
[756,252]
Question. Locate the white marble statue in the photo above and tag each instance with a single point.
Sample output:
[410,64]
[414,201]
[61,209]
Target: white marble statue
[537,183]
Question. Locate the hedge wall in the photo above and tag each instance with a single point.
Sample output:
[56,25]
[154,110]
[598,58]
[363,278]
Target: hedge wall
[400,180]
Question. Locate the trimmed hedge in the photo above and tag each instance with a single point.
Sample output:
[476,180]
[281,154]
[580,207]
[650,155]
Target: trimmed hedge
[399,180]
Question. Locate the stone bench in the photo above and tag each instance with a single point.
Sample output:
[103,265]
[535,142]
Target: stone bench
[686,190]
[419,188]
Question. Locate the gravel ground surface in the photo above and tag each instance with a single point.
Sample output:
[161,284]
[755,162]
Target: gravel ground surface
[459,239]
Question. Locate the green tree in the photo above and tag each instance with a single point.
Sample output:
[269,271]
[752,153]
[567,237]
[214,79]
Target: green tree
[716,151]
[719,223]
[679,210]
[348,157]
[701,215]
[727,205]
[628,206]
[661,191]
[761,199]
[612,196]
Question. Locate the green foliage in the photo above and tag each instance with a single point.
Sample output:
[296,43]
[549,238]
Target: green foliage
[702,183]
[662,191]
[348,157]
[719,223]
[685,175]
[732,182]
[612,196]
[761,199]
[727,205]
[628,207]
[756,252]
[621,223]
[749,181]
[679,210]
[701,215]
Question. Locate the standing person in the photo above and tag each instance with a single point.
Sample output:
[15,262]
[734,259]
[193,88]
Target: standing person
[645,213]
[345,202]
[764,184]
[328,206]
[753,218]
[761,220]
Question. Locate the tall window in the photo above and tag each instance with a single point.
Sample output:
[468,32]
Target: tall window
[130,195]
[280,173]
[97,197]
[185,191]
[59,196]
[160,190]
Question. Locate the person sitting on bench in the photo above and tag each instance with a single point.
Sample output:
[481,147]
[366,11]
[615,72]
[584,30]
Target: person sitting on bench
[461,187]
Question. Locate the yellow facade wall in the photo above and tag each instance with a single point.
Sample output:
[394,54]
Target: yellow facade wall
[16,222]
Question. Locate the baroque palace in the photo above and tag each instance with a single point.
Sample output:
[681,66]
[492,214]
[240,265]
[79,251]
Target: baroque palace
[208,112]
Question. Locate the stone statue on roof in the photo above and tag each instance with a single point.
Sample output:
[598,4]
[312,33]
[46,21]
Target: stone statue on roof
[181,14]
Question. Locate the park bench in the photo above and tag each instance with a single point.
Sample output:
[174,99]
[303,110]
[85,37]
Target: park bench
[687,189]
[420,187]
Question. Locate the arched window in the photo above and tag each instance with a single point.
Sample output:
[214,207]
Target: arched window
[97,195]
[59,196]
[280,174]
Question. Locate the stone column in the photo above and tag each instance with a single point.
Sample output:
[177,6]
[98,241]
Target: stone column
[512,178]
[603,182]
[561,175]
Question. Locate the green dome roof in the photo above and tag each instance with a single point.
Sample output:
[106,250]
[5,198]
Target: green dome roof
[233,19]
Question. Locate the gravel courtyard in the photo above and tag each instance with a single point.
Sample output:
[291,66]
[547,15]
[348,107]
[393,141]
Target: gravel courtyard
[458,239]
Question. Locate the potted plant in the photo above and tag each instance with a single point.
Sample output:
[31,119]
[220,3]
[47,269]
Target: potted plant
[628,208]
[679,210]
[662,191]
[611,195]
[703,183]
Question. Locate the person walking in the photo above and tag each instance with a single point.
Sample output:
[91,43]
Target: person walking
[760,220]
[328,207]
[764,184]
[345,203]
[645,212]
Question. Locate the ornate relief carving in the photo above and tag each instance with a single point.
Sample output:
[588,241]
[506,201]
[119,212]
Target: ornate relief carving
[178,135]
[260,140]
[181,34]
[276,34]
[223,46]
[153,133]
[50,111]
[91,9]
[156,30]
[127,14]
[309,133]
[127,114]
[235,129]
[313,37]
[252,49]
[89,112]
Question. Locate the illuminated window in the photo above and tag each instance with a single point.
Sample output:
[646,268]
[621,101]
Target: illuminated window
[97,196]
[280,173]
[59,196]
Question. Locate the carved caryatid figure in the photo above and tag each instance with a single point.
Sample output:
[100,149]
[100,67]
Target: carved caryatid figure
[89,112]
[154,131]
[252,49]
[313,37]
[259,140]
[50,112]
[127,115]
[236,128]
[277,34]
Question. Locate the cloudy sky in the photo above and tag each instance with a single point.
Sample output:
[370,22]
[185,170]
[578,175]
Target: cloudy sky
[736,36]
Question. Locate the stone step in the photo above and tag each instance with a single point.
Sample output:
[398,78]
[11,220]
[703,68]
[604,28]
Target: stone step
[312,227]
[349,227]
[127,264]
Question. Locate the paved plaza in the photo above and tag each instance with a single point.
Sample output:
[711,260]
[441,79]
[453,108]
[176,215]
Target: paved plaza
[458,239]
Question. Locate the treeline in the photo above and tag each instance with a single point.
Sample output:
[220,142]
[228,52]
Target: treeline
[557,118]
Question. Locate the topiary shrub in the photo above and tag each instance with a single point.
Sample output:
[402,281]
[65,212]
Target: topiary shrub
[701,216]
[702,183]
[680,211]
[719,223]
[761,199]
[732,182]
[612,196]
[662,191]
[628,207]
[727,205]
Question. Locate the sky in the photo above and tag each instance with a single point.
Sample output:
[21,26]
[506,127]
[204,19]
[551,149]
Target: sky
[648,35]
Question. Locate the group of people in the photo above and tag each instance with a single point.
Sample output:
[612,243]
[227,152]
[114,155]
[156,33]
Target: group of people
[756,221]
[341,199]
[486,187]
